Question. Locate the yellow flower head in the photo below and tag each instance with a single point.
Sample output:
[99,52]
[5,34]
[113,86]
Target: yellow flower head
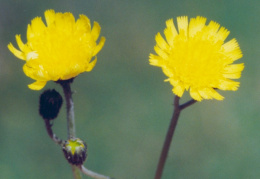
[59,50]
[196,58]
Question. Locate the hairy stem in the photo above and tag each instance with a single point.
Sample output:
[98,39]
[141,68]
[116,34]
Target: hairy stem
[91,173]
[169,135]
[72,132]
[70,109]
[70,119]
[56,139]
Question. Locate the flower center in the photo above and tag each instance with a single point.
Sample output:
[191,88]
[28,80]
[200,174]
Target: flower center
[196,62]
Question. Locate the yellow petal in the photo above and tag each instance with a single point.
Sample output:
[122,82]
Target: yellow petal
[170,32]
[183,25]
[37,25]
[228,84]
[19,42]
[212,29]
[99,46]
[91,64]
[95,31]
[38,85]
[30,33]
[35,71]
[230,45]
[168,72]
[83,23]
[222,34]
[233,71]
[49,16]
[196,25]
[16,52]
[231,48]
[195,94]
[64,22]
[178,90]
[160,52]
[161,42]
[155,60]
[216,95]
[209,93]
[173,81]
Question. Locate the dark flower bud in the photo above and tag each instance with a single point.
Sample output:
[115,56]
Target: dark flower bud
[75,151]
[50,104]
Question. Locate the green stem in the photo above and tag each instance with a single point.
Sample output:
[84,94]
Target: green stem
[76,172]
[91,173]
[168,138]
[70,120]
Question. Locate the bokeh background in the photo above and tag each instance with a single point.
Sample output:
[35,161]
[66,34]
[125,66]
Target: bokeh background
[123,107]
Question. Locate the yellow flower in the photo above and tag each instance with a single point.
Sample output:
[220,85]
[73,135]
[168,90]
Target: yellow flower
[196,58]
[59,50]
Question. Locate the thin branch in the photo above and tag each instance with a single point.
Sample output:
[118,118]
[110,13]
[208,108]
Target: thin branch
[48,126]
[187,104]
[91,173]
[166,146]
[168,138]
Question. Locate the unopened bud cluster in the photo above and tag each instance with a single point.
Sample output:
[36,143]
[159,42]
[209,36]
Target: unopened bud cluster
[75,151]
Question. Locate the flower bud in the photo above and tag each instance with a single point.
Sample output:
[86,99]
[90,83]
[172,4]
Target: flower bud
[75,151]
[50,104]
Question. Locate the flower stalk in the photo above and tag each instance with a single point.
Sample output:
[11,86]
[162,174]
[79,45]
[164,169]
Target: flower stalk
[71,129]
[166,146]
[70,108]
[55,138]
[91,173]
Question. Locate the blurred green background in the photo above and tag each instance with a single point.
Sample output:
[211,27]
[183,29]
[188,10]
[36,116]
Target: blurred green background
[123,107]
